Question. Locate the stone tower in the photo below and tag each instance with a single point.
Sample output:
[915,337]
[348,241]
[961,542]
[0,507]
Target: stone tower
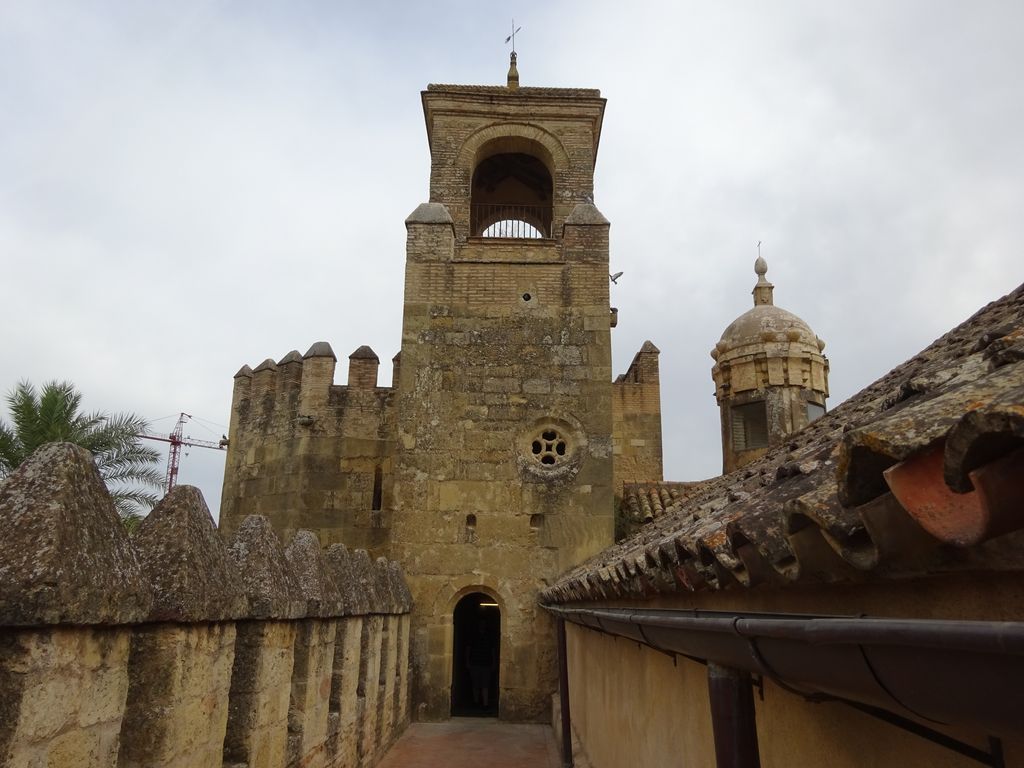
[771,377]
[486,467]
[503,454]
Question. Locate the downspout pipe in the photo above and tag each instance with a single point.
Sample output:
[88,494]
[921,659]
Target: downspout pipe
[967,673]
[733,718]
[563,695]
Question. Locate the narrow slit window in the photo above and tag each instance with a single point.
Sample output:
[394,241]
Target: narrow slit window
[378,483]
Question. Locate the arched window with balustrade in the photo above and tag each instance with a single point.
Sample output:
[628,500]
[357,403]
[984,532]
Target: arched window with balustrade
[511,191]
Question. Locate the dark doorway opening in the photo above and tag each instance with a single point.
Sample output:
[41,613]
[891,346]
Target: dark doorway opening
[475,655]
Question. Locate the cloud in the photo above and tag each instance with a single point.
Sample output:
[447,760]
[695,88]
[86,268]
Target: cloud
[187,188]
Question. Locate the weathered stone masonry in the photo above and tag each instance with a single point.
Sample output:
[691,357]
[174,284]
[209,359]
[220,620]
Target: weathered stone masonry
[177,647]
[494,461]
[307,453]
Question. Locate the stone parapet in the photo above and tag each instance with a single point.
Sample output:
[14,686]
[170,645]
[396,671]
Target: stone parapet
[270,586]
[177,648]
[315,580]
[191,574]
[66,557]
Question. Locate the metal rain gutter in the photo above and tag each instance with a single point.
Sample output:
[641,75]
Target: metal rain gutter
[946,672]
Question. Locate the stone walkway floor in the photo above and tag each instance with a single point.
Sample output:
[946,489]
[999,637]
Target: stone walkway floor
[474,742]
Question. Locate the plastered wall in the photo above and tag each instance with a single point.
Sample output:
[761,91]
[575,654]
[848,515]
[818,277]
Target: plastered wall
[633,705]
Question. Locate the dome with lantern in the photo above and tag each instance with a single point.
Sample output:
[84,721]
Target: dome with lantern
[765,324]
[771,378]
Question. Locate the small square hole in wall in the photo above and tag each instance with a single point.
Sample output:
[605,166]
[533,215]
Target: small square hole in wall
[536,522]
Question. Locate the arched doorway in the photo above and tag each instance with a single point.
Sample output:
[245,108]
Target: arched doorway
[476,651]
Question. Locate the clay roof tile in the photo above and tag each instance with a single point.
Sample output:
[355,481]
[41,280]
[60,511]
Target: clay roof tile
[820,507]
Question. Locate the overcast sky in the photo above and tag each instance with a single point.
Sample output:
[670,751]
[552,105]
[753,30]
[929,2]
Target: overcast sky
[187,187]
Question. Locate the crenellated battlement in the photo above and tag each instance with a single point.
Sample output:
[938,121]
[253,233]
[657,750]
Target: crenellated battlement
[309,453]
[179,646]
[644,367]
[636,421]
[300,385]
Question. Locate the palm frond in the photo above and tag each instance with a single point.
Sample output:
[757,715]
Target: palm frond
[23,403]
[53,414]
[12,453]
[134,472]
[129,501]
[58,410]
[130,520]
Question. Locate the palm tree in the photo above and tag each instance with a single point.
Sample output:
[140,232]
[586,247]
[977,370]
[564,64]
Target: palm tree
[52,415]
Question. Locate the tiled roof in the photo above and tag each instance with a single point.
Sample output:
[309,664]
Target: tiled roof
[874,489]
[643,502]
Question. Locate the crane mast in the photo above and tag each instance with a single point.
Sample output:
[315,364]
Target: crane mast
[177,440]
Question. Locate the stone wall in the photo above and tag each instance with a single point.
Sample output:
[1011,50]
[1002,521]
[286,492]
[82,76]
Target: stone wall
[503,455]
[179,647]
[636,422]
[559,127]
[504,364]
[310,454]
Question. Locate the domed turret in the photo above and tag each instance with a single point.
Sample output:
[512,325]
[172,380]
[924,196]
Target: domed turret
[771,378]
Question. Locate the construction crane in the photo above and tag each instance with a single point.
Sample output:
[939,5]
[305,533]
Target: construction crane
[177,441]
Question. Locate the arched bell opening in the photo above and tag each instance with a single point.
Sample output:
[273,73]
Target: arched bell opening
[476,652]
[511,193]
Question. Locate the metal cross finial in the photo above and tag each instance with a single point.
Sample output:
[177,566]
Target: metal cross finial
[512,37]
[759,249]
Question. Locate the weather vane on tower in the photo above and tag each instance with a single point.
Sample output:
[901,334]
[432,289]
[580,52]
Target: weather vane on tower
[513,73]
[512,37]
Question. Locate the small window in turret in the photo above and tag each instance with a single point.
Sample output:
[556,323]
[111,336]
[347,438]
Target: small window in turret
[749,426]
[814,411]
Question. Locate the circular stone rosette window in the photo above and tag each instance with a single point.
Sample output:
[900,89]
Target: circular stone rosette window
[551,449]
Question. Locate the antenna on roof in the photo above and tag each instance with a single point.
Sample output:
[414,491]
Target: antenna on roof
[512,37]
